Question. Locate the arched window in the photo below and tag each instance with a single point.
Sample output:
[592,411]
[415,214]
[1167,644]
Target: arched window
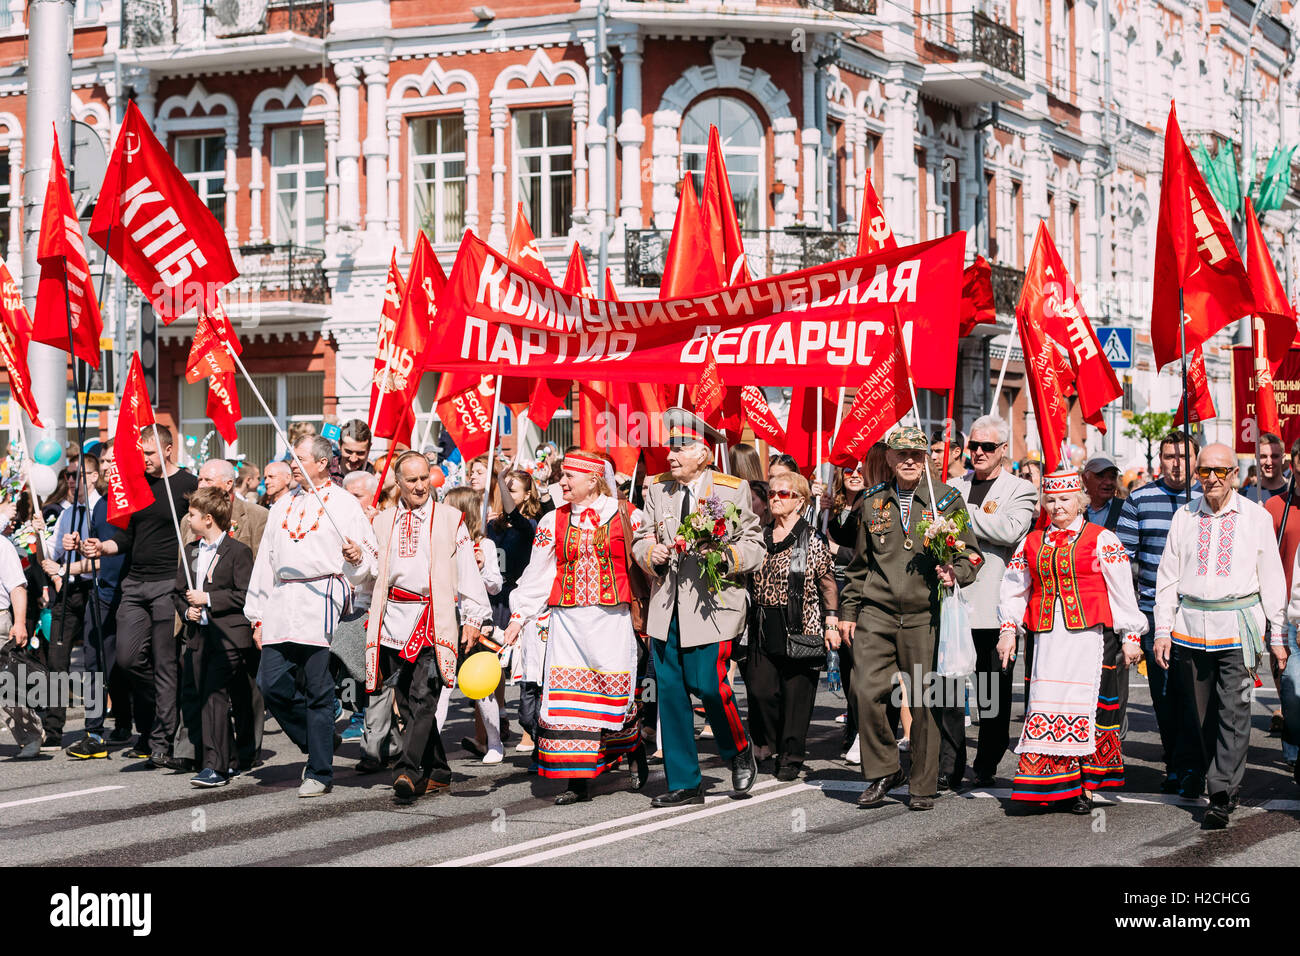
[741,133]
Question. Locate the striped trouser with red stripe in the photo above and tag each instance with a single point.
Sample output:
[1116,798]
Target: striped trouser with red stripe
[700,671]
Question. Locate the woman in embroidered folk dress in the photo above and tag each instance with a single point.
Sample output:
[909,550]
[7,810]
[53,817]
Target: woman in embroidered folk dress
[579,570]
[1069,584]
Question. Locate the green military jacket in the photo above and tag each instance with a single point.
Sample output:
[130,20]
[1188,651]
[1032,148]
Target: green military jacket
[890,568]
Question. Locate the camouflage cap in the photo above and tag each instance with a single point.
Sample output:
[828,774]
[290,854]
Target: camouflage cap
[907,438]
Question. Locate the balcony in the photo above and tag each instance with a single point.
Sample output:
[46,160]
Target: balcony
[865,8]
[281,273]
[769,251]
[1007,283]
[988,64]
[170,37]
[745,18]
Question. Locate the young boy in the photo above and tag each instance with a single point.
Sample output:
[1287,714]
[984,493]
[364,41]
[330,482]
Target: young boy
[216,631]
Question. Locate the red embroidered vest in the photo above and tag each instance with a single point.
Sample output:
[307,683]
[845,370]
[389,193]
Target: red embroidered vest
[1072,573]
[584,580]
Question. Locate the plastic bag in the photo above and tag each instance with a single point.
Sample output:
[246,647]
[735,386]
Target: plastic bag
[956,645]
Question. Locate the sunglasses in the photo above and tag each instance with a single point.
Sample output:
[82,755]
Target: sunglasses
[1220,473]
[988,447]
[782,493]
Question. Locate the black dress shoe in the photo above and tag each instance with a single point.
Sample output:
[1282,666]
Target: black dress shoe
[679,798]
[183,764]
[788,772]
[921,803]
[159,760]
[744,769]
[1192,788]
[1082,805]
[642,769]
[575,794]
[366,765]
[876,790]
[1170,783]
[945,783]
[1216,818]
[984,780]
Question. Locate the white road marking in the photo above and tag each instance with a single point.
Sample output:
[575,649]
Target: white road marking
[582,831]
[653,827]
[58,796]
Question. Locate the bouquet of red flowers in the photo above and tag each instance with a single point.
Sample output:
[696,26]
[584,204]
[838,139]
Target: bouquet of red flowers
[705,533]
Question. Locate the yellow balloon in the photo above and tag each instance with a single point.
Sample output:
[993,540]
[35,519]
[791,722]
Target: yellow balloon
[479,675]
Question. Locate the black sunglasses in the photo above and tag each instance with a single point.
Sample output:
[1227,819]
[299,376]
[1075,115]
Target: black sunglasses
[988,447]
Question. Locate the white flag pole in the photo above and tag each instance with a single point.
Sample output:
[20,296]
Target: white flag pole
[997,391]
[171,500]
[491,477]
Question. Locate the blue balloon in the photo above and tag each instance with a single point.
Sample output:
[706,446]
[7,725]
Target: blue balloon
[47,452]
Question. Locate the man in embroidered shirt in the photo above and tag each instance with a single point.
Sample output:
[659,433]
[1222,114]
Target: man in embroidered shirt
[426,561]
[1219,585]
[314,551]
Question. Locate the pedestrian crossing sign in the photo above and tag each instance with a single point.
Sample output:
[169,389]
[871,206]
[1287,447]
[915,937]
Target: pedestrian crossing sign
[1116,345]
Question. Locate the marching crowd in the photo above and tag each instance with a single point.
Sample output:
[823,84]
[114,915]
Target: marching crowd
[216,606]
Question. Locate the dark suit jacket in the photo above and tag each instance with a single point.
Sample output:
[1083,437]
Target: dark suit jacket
[227,588]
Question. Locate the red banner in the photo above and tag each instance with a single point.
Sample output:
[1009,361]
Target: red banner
[822,327]
[1198,390]
[384,380]
[1042,370]
[1272,309]
[15,333]
[760,416]
[223,405]
[67,290]
[214,339]
[1286,393]
[128,489]
[153,224]
[880,403]
[467,416]
[977,304]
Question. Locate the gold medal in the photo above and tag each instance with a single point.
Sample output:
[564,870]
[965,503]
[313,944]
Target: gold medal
[882,539]
[907,544]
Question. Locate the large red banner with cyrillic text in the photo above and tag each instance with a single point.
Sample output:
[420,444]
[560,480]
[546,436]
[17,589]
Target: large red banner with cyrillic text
[1286,394]
[825,326]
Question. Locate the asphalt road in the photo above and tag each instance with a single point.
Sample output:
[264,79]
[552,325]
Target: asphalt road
[113,812]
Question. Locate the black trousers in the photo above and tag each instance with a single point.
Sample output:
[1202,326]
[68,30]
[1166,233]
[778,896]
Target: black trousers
[148,651]
[1214,706]
[951,716]
[780,695]
[417,685]
[56,651]
[993,687]
[850,704]
[236,668]
[100,657]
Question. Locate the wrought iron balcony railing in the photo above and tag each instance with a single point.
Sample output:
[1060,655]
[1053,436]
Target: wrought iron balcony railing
[283,273]
[148,23]
[769,251]
[1007,282]
[865,7]
[978,37]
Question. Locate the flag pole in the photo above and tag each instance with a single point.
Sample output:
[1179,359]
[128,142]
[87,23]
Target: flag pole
[948,430]
[171,501]
[284,438]
[388,459]
[997,390]
[1187,410]
[491,477]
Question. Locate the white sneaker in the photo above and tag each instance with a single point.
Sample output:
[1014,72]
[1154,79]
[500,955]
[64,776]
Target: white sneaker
[854,756]
[905,745]
[495,755]
[311,787]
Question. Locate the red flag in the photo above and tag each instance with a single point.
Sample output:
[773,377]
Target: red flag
[1272,309]
[1042,361]
[760,416]
[709,393]
[523,250]
[718,217]
[153,224]
[880,403]
[1195,252]
[409,341]
[689,266]
[128,489]
[874,233]
[223,404]
[385,382]
[467,417]
[214,340]
[801,425]
[1198,389]
[66,285]
[15,333]
[1052,303]
[977,296]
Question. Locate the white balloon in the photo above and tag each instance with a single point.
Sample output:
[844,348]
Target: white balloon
[44,479]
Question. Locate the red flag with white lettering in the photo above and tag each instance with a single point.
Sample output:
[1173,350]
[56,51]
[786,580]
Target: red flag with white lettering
[760,416]
[223,404]
[874,233]
[1198,389]
[385,380]
[1052,303]
[214,340]
[1272,309]
[128,489]
[1043,365]
[153,224]
[1194,250]
[15,333]
[66,287]
[880,404]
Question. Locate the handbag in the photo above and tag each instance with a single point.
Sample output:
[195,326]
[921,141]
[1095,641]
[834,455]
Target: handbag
[956,645]
[639,586]
[795,645]
[348,643]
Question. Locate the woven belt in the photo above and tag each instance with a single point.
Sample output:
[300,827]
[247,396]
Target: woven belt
[1252,640]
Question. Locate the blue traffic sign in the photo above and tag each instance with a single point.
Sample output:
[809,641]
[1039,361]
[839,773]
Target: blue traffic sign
[1116,344]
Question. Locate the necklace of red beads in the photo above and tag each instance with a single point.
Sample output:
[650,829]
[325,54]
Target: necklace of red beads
[296,533]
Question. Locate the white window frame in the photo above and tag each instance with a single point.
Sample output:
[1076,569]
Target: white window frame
[208,184]
[542,228]
[6,197]
[254,415]
[300,171]
[438,160]
[760,151]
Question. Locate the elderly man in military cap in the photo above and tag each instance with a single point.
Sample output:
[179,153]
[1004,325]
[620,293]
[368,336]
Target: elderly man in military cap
[693,627]
[889,615]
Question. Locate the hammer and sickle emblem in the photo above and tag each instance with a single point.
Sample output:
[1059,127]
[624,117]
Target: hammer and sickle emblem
[879,228]
[131,146]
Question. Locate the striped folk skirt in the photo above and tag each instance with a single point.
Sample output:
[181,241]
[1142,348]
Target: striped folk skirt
[1070,742]
[590,717]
